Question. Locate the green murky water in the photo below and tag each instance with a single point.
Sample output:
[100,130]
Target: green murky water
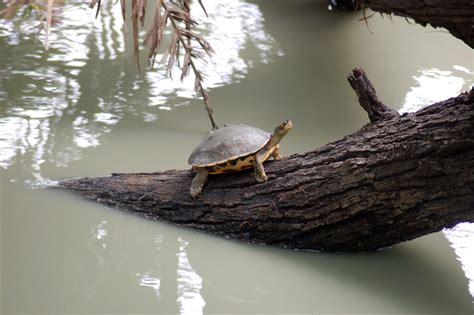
[81,110]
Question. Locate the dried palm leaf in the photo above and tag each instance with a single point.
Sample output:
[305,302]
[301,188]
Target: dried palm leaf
[183,36]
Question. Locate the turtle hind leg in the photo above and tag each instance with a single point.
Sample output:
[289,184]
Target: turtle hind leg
[198,182]
[259,169]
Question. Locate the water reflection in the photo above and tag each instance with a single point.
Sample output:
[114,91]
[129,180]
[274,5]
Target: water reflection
[98,242]
[147,280]
[190,300]
[462,240]
[99,232]
[434,85]
[86,84]
[10,128]
[151,279]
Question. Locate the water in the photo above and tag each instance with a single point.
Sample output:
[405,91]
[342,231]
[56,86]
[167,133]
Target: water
[82,110]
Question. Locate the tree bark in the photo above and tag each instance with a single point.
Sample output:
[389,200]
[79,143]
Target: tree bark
[457,16]
[398,178]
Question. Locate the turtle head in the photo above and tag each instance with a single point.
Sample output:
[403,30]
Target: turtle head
[282,130]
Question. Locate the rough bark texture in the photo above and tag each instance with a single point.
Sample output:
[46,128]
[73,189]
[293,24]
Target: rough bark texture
[457,16]
[367,97]
[394,180]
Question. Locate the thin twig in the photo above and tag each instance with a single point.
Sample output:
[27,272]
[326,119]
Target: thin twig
[365,18]
[92,5]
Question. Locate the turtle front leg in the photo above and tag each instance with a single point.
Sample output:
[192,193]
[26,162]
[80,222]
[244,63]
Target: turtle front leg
[276,155]
[259,170]
[198,182]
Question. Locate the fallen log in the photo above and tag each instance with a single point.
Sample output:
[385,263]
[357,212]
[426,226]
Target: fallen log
[455,16]
[398,178]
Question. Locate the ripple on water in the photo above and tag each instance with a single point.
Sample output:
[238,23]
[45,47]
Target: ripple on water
[434,85]
[49,89]
[11,128]
[190,300]
[146,280]
[461,238]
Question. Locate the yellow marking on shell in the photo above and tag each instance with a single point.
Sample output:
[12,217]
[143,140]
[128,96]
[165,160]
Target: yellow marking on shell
[230,159]
[237,164]
[232,165]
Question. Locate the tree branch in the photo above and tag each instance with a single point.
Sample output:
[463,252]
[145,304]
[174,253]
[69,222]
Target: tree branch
[392,181]
[367,97]
[455,16]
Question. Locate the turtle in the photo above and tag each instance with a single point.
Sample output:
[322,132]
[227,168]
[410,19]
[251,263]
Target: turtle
[234,148]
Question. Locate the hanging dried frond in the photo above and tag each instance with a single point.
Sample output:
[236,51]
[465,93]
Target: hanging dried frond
[187,8]
[194,46]
[203,8]
[154,36]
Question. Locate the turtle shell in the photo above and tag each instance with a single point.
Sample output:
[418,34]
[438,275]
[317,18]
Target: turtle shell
[228,143]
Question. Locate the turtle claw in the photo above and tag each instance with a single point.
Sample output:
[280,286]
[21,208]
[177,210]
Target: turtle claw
[261,178]
[195,192]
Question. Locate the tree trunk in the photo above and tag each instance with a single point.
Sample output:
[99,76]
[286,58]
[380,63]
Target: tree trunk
[457,16]
[398,178]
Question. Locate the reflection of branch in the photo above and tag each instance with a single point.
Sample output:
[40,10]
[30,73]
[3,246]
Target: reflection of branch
[27,7]
[182,37]
[49,16]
